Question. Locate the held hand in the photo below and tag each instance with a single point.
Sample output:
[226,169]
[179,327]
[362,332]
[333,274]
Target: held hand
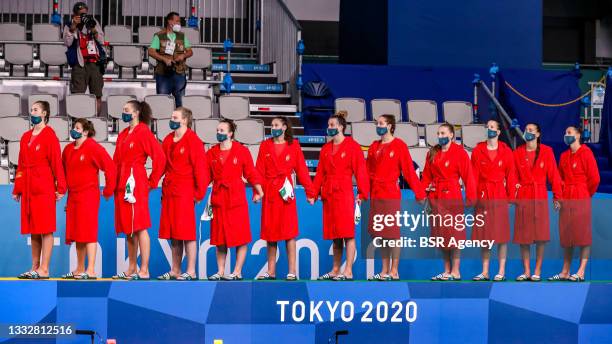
[168,61]
[311,201]
[358,201]
[256,198]
[58,196]
[17,198]
[557,205]
[179,58]
[76,20]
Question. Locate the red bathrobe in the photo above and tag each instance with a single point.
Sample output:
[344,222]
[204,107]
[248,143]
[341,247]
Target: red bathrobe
[230,223]
[334,181]
[531,221]
[580,177]
[385,162]
[279,220]
[130,155]
[82,166]
[442,175]
[496,183]
[39,175]
[186,178]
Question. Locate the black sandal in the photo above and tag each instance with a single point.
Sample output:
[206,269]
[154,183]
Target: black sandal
[232,277]
[265,277]
[166,277]
[326,277]
[215,277]
[36,276]
[186,277]
[291,277]
[25,275]
[84,276]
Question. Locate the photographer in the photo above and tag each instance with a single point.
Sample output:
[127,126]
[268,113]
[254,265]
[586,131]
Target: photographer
[171,48]
[86,56]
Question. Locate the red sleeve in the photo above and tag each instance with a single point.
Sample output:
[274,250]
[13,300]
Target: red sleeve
[320,174]
[301,170]
[476,164]
[260,165]
[592,172]
[427,176]
[55,160]
[465,171]
[201,171]
[553,176]
[18,188]
[104,162]
[511,177]
[361,173]
[248,168]
[410,174]
[116,160]
[369,160]
[156,153]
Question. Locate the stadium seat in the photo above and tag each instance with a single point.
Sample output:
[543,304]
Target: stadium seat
[109,147]
[472,134]
[13,152]
[234,107]
[101,127]
[254,149]
[11,105]
[63,144]
[408,132]
[431,134]
[249,131]
[162,105]
[114,105]
[192,34]
[201,59]
[364,133]
[163,128]
[146,33]
[127,57]
[419,154]
[386,107]
[422,111]
[12,128]
[207,130]
[117,34]
[18,55]
[81,105]
[61,126]
[12,32]
[355,108]
[46,32]
[5,178]
[200,106]
[457,112]
[51,98]
[49,54]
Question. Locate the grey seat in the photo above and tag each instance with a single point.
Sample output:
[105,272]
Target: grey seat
[422,111]
[162,105]
[234,107]
[163,128]
[101,127]
[13,152]
[457,112]
[12,32]
[109,147]
[408,132]
[254,150]
[364,133]
[386,107]
[249,131]
[81,105]
[354,107]
[50,54]
[207,130]
[46,33]
[51,98]
[201,59]
[431,134]
[19,55]
[145,33]
[192,34]
[127,57]
[472,134]
[115,103]
[117,34]
[5,178]
[61,126]
[200,106]
[12,128]
[11,105]
[419,155]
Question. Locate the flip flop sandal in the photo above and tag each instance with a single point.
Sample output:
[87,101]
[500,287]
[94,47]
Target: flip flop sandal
[535,278]
[36,276]
[438,277]
[326,277]
[499,278]
[342,278]
[215,277]
[481,278]
[166,277]
[84,276]
[136,277]
[523,278]
[121,276]
[558,278]
[450,278]
[291,277]
[25,275]
[576,278]
[186,277]
[69,275]
[391,278]
[232,277]
[265,277]
[376,277]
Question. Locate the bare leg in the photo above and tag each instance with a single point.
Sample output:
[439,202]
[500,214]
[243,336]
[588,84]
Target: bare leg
[486,260]
[585,252]
[539,258]
[144,244]
[81,252]
[98,106]
[177,257]
[291,256]
[91,248]
[395,259]
[525,255]
[456,256]
[241,252]
[351,251]
[568,252]
[221,257]
[502,254]
[132,244]
[47,249]
[447,261]
[337,257]
[191,251]
[36,240]
[272,246]
[385,255]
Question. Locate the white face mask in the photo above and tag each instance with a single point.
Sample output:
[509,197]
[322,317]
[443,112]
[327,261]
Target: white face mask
[176,27]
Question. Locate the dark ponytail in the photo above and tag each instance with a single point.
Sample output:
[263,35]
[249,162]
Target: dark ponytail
[232,126]
[87,126]
[289,131]
[437,148]
[143,109]
[340,116]
[390,119]
[45,107]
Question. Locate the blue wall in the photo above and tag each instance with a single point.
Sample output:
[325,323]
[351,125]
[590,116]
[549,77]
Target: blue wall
[465,33]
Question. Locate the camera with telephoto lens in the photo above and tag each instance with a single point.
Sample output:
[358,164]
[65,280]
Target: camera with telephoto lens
[88,20]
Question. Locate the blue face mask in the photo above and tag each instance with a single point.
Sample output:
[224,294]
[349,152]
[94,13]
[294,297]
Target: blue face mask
[443,141]
[569,139]
[491,133]
[529,136]
[75,134]
[174,125]
[35,119]
[277,132]
[126,117]
[332,132]
[381,131]
[221,137]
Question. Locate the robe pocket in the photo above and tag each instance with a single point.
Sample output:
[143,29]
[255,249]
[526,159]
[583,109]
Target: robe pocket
[42,183]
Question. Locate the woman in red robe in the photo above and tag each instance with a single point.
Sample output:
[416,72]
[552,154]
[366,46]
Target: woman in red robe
[279,157]
[83,160]
[39,184]
[185,182]
[135,144]
[494,173]
[340,160]
[535,164]
[387,158]
[229,161]
[445,164]
[580,175]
